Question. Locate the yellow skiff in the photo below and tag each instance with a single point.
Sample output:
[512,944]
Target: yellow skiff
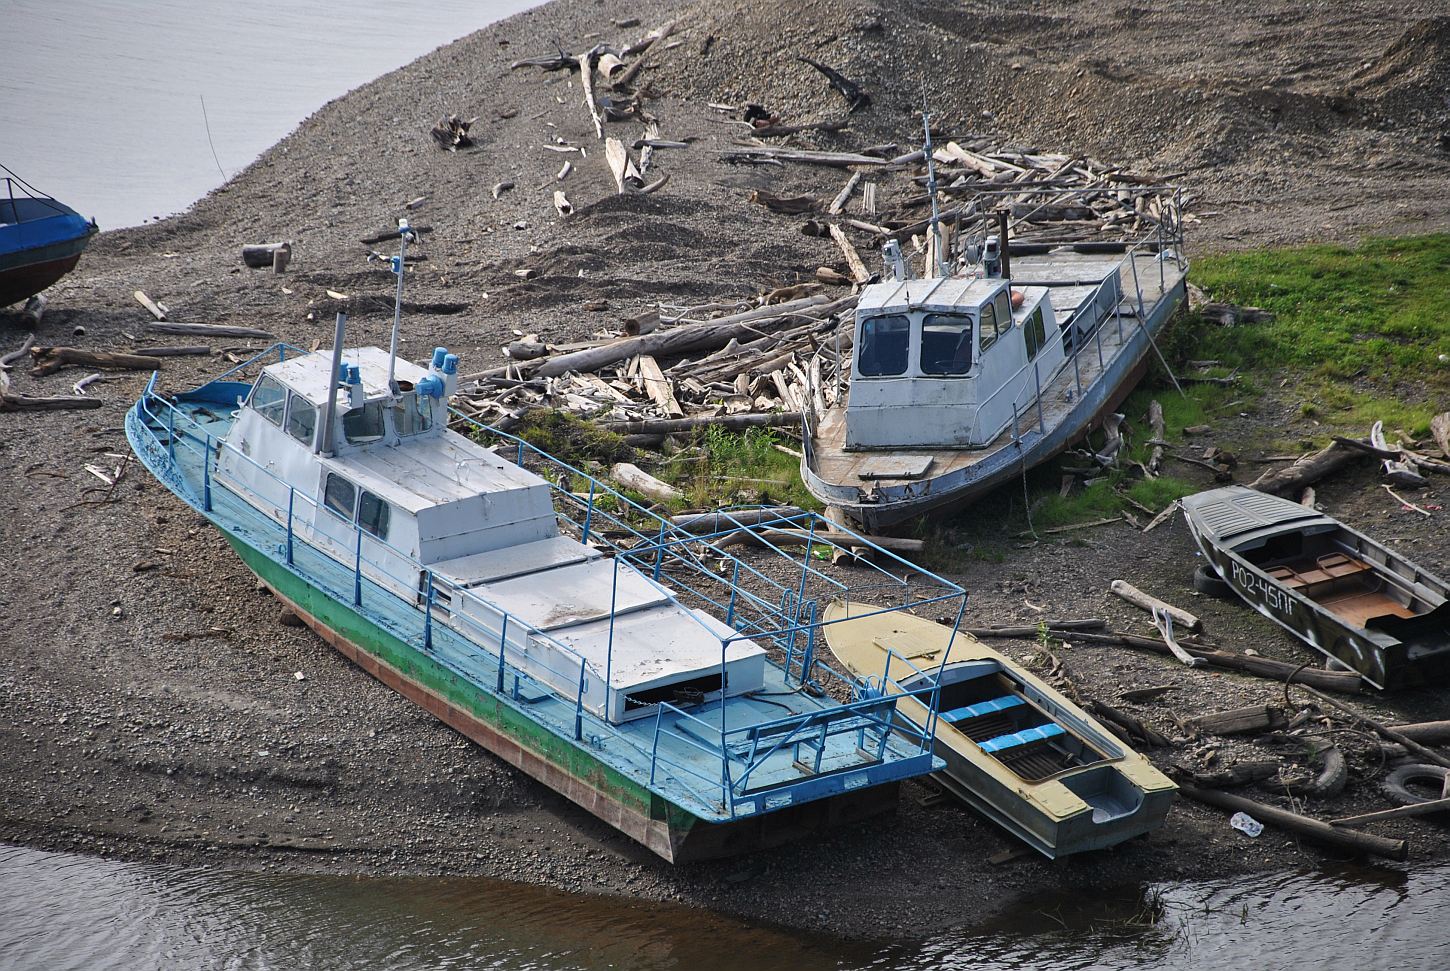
[1015,750]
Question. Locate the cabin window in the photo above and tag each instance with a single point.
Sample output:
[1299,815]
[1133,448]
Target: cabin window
[372,514]
[363,425]
[989,326]
[946,344]
[1004,311]
[884,341]
[412,415]
[301,419]
[1035,332]
[340,496]
[269,398]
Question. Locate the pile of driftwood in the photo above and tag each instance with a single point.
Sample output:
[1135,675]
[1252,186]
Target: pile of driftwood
[676,369]
[1050,199]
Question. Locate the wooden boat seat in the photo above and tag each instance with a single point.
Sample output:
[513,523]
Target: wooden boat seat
[1326,569]
[981,708]
[1028,735]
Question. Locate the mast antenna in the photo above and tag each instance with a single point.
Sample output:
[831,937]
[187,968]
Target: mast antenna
[940,267]
[405,235]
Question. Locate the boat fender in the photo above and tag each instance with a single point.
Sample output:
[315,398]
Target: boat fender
[1018,299]
[439,353]
[431,386]
[1396,784]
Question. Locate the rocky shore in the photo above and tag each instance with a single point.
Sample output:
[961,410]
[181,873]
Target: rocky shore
[156,707]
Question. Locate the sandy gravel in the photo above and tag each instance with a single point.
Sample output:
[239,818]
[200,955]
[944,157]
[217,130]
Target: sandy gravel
[151,704]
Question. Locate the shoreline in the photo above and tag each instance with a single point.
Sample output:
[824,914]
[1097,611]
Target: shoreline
[154,710]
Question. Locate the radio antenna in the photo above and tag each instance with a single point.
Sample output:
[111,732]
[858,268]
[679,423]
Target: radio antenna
[931,190]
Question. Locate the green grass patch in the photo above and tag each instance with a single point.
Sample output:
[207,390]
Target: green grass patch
[731,468]
[1352,326]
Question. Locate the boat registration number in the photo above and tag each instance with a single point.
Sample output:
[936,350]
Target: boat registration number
[1261,588]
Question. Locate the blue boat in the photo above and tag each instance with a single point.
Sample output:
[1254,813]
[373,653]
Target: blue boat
[662,682]
[41,240]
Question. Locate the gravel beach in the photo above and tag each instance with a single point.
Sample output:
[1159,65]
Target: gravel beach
[157,707]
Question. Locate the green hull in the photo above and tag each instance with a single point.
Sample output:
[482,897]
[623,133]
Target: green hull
[568,768]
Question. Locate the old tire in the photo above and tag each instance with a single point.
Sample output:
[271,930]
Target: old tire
[1331,779]
[1207,581]
[1397,783]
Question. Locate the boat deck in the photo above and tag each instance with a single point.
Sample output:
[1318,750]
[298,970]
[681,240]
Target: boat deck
[677,754]
[1072,277]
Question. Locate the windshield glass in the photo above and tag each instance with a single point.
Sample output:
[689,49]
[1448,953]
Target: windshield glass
[946,344]
[365,424]
[412,415]
[883,345]
[269,398]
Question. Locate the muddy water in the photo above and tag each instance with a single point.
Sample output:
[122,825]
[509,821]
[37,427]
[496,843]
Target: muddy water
[61,911]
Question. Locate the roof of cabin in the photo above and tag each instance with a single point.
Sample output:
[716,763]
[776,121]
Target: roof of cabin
[941,294]
[308,374]
[431,470]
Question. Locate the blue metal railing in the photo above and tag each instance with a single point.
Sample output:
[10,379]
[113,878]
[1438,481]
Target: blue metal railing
[755,605]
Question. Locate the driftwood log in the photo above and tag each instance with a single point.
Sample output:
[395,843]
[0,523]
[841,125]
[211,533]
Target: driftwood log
[1440,429]
[713,522]
[208,330]
[190,350]
[1306,470]
[696,337]
[673,426]
[1431,733]
[1238,721]
[152,307]
[633,477]
[262,255]
[1344,681]
[1138,598]
[1416,809]
[1313,829]
[51,359]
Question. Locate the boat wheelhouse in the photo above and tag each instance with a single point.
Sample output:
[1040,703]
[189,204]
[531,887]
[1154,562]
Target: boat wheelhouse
[960,381]
[667,685]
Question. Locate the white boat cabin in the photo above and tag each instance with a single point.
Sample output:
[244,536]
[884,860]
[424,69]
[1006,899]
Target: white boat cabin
[392,489]
[947,362]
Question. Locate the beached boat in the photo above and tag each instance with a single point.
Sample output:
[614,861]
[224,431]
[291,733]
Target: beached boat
[962,381]
[1346,595]
[1015,750]
[659,681]
[40,239]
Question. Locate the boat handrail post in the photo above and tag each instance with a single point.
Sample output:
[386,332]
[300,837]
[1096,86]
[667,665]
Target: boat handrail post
[808,656]
[724,752]
[654,753]
[428,612]
[1077,371]
[170,432]
[609,647]
[1137,284]
[519,459]
[1037,387]
[734,590]
[1162,280]
[503,640]
[588,511]
[579,703]
[291,500]
[206,477]
[1098,343]
[1118,319]
[659,552]
[357,570]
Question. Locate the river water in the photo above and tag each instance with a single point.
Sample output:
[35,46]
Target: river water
[59,911]
[115,106]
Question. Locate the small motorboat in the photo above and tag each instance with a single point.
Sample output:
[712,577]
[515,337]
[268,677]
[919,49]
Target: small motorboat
[1015,750]
[1346,595]
[41,240]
